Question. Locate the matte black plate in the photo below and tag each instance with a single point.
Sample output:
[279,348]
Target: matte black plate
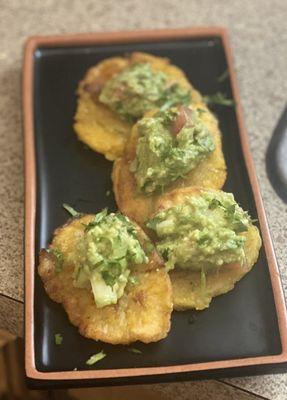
[242,323]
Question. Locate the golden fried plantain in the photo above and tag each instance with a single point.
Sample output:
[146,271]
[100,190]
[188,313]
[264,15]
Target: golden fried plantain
[142,313]
[210,173]
[186,285]
[95,124]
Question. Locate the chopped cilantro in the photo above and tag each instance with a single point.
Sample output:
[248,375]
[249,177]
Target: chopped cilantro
[152,223]
[231,215]
[175,95]
[214,204]
[239,226]
[202,279]
[223,76]
[135,351]
[108,248]
[95,358]
[219,99]
[133,280]
[111,273]
[101,215]
[203,240]
[71,210]
[149,248]
[58,339]
[59,258]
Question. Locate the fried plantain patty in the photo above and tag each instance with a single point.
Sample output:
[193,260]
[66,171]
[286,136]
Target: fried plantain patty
[142,313]
[98,126]
[187,289]
[209,173]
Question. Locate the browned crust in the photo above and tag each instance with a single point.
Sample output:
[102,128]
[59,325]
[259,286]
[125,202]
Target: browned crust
[30,205]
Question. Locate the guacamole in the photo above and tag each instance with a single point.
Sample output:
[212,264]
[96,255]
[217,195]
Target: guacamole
[171,143]
[138,89]
[203,233]
[104,255]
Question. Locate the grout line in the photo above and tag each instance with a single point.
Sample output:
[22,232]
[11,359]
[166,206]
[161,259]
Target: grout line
[11,298]
[255,395]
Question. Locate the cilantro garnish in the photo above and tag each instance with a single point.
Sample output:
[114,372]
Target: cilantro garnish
[98,218]
[58,256]
[231,215]
[135,351]
[71,210]
[223,76]
[149,248]
[202,279]
[111,274]
[58,339]
[218,99]
[133,280]
[95,358]
[152,223]
[175,95]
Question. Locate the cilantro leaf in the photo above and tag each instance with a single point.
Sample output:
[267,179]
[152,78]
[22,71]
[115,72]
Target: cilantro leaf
[71,210]
[152,223]
[98,218]
[202,280]
[203,240]
[111,273]
[149,248]
[214,204]
[174,95]
[223,76]
[95,358]
[133,280]
[58,256]
[219,99]
[134,350]
[58,339]
[239,226]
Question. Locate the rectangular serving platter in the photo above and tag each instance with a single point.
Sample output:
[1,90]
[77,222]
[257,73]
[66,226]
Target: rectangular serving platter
[244,331]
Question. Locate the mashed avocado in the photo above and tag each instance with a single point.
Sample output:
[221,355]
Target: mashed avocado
[171,143]
[139,89]
[202,233]
[104,254]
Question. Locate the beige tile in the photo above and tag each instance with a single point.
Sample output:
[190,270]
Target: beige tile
[202,390]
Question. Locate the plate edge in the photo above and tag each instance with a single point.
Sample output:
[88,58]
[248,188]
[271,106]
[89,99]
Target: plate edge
[30,201]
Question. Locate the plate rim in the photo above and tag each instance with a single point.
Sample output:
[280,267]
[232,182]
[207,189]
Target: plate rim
[117,37]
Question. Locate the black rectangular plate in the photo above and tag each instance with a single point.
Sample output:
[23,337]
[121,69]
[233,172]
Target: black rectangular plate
[240,324]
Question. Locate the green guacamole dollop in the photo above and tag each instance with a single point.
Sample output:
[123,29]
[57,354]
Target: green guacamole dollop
[202,233]
[104,254]
[138,89]
[161,156]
